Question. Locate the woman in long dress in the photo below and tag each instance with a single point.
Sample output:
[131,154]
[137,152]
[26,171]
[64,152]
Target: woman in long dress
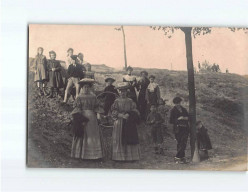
[40,66]
[54,73]
[125,144]
[90,147]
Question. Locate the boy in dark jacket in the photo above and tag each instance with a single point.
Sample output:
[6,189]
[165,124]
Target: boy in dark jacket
[179,119]
[75,72]
[155,121]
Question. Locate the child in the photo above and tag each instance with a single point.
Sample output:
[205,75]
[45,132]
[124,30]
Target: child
[152,92]
[155,120]
[204,143]
[109,97]
[179,119]
[163,109]
[55,77]
[40,66]
[75,72]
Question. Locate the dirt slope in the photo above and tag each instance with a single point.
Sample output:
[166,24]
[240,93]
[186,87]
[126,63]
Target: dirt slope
[221,101]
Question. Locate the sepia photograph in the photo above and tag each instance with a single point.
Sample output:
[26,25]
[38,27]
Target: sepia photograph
[137,97]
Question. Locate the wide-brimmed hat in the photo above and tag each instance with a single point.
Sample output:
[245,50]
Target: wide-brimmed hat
[87,81]
[177,100]
[129,68]
[109,78]
[123,85]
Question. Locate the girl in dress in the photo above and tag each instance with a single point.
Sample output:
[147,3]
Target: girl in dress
[90,147]
[55,77]
[125,141]
[40,66]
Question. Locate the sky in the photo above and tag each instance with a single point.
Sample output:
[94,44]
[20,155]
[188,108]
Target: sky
[145,47]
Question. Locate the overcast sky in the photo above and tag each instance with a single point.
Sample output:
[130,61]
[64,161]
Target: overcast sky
[145,47]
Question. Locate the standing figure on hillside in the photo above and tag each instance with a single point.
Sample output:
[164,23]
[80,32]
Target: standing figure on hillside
[55,77]
[90,147]
[125,141]
[155,121]
[74,72]
[40,67]
[204,143]
[69,57]
[179,119]
[131,80]
[109,98]
[142,86]
[152,92]
[80,60]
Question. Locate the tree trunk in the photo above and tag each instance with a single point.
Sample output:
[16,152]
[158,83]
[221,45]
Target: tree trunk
[192,100]
[124,41]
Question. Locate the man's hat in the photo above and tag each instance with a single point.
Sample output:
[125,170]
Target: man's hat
[129,68]
[109,78]
[177,100]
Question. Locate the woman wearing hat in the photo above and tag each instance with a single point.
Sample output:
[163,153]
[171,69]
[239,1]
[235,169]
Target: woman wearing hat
[86,103]
[110,95]
[125,142]
[55,77]
[152,92]
[179,119]
[131,80]
[40,67]
[142,103]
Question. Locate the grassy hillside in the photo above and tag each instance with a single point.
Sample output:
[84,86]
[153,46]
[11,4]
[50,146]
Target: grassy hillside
[221,105]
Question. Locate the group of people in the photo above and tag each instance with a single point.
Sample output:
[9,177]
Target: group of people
[121,104]
[50,74]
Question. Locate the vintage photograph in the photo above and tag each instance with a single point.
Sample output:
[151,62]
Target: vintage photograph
[137,97]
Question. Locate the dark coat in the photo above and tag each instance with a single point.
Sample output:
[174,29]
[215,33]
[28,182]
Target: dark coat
[179,124]
[129,130]
[142,103]
[132,93]
[76,71]
[77,124]
[109,98]
[55,77]
[204,142]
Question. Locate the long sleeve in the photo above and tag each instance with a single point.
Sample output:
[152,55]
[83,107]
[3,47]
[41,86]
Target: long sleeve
[114,110]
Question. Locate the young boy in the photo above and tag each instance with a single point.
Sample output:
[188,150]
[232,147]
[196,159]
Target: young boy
[75,72]
[204,143]
[179,119]
[155,121]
